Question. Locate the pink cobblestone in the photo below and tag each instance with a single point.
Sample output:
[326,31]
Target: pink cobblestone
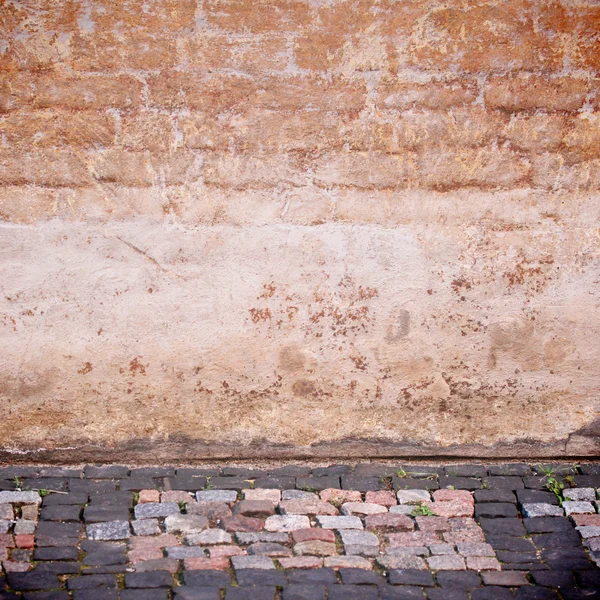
[198,563]
[176,496]
[149,496]
[301,562]
[340,496]
[413,538]
[384,497]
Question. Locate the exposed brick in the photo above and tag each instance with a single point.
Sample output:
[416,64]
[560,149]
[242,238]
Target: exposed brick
[142,169]
[264,54]
[257,17]
[147,131]
[53,168]
[436,95]
[527,92]
[45,128]
[485,167]
[366,170]
[552,171]
[487,37]
[110,51]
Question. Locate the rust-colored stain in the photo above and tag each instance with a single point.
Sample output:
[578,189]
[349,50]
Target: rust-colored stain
[87,368]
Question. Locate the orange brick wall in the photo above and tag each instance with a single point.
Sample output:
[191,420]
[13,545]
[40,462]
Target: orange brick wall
[468,131]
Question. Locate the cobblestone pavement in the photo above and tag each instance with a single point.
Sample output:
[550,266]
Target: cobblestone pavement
[294,533]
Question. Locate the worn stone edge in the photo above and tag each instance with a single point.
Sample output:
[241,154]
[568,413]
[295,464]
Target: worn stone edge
[179,449]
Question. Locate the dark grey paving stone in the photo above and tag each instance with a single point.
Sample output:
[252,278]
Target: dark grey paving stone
[46,483]
[260,577]
[86,582]
[566,558]
[547,525]
[509,542]
[495,510]
[105,558]
[404,483]
[331,470]
[62,499]
[495,496]
[402,592]
[209,579]
[554,579]
[56,595]
[352,592]
[361,577]
[587,481]
[32,581]
[511,469]
[91,486]
[198,472]
[458,579]
[506,556]
[446,594]
[298,591]
[138,483]
[538,482]
[375,470]
[553,469]
[185,592]
[64,553]
[145,594]
[120,498]
[505,526]
[228,483]
[460,483]
[290,471]
[102,514]
[526,566]
[414,577]
[556,540]
[491,593]
[148,579]
[106,569]
[18,471]
[465,471]
[59,529]
[242,472]
[61,512]
[589,579]
[97,594]
[105,471]
[188,484]
[535,593]
[255,592]
[534,496]
[318,483]
[276,483]
[362,484]
[99,546]
[323,575]
[155,472]
[59,472]
[590,468]
[58,568]
[503,482]
[578,594]
[422,471]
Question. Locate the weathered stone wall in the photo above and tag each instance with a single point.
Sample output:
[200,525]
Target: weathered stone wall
[299,228]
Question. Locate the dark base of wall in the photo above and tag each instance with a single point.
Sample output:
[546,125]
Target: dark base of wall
[180,450]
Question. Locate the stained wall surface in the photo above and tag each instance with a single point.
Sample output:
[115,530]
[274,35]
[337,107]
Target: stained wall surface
[299,228]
